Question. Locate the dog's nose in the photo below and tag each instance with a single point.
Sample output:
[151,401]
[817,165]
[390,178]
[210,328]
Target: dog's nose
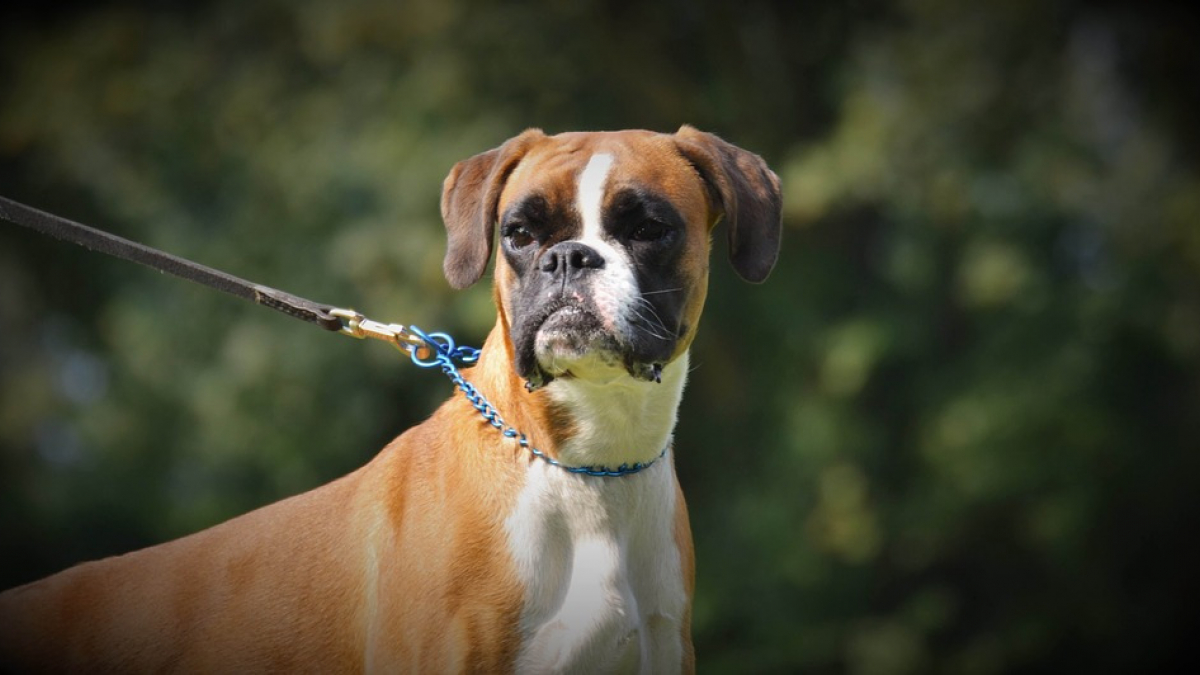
[571,260]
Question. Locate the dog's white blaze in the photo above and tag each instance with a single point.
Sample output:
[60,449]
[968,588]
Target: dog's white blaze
[616,289]
[602,574]
[590,194]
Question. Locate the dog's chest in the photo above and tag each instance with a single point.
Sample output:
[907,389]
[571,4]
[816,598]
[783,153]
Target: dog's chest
[601,572]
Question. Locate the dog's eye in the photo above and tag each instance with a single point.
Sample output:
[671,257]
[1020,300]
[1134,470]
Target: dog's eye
[517,236]
[649,230]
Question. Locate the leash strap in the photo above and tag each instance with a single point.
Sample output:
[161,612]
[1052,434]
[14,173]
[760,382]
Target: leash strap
[337,319]
[99,240]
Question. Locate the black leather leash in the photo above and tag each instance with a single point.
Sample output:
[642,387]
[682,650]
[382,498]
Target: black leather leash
[99,240]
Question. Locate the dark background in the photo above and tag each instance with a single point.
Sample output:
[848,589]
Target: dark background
[955,432]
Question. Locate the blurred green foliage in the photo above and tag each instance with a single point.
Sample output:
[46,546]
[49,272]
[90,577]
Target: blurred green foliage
[955,431]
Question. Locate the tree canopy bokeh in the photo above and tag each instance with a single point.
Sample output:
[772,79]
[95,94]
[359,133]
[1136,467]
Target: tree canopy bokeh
[956,431]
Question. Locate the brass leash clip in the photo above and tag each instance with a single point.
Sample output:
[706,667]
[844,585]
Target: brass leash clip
[358,326]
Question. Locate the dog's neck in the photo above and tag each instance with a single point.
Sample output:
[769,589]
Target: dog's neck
[619,420]
[600,418]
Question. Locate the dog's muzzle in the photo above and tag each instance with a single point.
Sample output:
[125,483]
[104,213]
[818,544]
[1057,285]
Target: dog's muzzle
[573,314]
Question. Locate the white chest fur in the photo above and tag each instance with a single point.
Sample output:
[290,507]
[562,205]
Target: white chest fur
[601,571]
[598,556]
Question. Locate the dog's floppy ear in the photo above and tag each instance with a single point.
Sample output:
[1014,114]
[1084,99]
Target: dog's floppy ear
[469,199]
[747,194]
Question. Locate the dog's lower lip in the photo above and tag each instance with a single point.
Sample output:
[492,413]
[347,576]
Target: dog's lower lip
[566,313]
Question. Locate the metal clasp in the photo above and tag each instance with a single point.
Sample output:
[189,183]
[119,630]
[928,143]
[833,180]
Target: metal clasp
[358,326]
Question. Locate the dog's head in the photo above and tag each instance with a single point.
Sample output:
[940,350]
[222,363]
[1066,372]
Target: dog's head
[604,242]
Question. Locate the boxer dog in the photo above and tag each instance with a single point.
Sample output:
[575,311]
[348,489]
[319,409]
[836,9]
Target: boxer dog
[457,548]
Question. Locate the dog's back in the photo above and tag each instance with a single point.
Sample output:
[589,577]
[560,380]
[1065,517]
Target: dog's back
[165,607]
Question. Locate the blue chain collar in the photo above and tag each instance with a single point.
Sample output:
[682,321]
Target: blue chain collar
[445,354]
